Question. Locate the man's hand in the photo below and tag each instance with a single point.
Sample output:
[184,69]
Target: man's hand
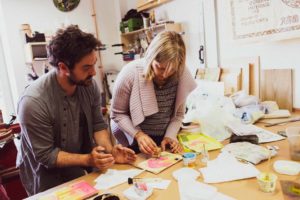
[123,155]
[174,145]
[146,144]
[99,159]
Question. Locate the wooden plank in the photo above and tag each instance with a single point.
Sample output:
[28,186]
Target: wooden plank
[243,69]
[254,76]
[277,85]
[209,74]
[143,5]
[250,73]
[232,78]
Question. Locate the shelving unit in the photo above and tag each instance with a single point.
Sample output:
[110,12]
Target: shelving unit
[143,5]
[128,39]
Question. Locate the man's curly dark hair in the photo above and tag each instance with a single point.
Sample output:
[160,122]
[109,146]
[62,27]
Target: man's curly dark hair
[70,45]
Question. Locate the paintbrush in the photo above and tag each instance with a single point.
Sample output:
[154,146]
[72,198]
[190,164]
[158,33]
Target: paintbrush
[267,178]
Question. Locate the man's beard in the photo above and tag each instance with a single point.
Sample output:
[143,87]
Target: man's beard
[86,82]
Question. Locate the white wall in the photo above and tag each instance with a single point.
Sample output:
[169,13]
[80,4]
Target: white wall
[7,85]
[45,18]
[276,54]
[188,13]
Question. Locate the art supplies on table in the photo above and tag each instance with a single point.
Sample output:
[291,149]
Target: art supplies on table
[267,182]
[78,190]
[194,142]
[205,155]
[290,190]
[249,129]
[189,159]
[156,165]
[156,183]
[227,168]
[113,177]
[248,152]
[138,192]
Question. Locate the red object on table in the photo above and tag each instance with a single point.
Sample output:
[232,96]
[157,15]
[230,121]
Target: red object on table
[9,174]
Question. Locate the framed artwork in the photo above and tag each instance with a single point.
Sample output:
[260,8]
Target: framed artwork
[66,5]
[156,165]
[274,19]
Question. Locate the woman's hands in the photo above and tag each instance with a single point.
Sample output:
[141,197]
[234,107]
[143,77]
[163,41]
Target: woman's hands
[174,145]
[146,144]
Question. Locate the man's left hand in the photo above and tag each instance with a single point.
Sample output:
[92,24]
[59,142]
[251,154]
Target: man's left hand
[123,154]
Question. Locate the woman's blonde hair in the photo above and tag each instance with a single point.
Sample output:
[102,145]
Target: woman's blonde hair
[167,47]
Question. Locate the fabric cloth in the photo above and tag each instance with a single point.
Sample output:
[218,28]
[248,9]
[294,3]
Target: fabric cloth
[134,99]
[51,122]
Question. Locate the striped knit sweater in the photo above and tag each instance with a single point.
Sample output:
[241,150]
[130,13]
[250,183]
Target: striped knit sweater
[157,123]
[134,99]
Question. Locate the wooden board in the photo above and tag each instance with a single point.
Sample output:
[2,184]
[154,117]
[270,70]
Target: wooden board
[277,85]
[232,78]
[250,72]
[209,74]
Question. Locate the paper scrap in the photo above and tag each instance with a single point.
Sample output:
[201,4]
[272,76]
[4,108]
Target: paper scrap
[227,168]
[162,185]
[115,177]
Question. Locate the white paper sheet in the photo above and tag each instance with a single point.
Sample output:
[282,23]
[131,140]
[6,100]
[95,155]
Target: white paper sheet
[226,168]
[115,177]
[192,189]
[249,129]
[162,185]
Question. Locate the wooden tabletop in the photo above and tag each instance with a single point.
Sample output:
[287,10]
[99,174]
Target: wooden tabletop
[242,189]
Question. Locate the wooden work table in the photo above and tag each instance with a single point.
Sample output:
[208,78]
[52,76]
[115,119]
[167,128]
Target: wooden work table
[241,189]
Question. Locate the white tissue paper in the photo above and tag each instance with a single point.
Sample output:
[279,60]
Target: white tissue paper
[190,189]
[227,168]
[186,173]
[114,177]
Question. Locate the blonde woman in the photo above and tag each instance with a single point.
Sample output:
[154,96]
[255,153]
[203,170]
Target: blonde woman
[149,97]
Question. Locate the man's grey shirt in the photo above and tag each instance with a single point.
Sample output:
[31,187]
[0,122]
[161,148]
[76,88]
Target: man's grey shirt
[51,122]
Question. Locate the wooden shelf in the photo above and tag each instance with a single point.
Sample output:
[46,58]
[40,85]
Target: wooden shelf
[129,38]
[143,5]
[144,29]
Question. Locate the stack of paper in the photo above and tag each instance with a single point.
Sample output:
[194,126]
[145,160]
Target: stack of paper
[226,168]
[249,129]
[115,177]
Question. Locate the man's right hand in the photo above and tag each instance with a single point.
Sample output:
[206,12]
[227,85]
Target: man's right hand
[100,159]
[146,144]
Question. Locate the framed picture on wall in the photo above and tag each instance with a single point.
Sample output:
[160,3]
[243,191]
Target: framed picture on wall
[66,5]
